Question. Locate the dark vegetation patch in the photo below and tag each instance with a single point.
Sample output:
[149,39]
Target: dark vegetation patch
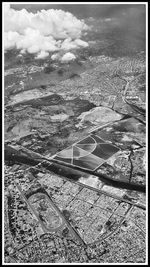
[49,69]
[74,75]
[66,213]
[61,71]
[142,88]
[43,86]
[53,99]
[142,78]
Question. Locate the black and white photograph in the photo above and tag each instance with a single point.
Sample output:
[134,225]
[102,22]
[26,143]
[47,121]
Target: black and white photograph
[74,183]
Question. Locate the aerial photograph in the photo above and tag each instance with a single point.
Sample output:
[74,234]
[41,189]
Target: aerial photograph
[74,133]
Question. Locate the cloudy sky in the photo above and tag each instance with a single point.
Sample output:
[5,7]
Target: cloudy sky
[44,28]
[88,10]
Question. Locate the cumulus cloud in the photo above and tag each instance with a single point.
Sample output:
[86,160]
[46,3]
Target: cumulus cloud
[42,54]
[68,57]
[64,58]
[68,44]
[42,32]
[55,56]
